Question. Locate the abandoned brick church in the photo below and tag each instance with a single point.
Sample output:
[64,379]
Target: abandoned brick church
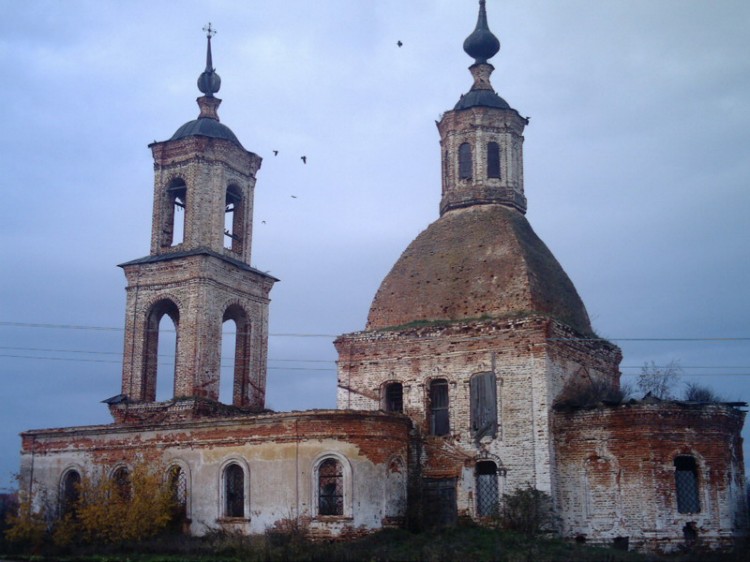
[453,395]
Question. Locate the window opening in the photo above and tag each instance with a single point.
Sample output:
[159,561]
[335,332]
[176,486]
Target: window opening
[235,384]
[166,358]
[330,488]
[154,332]
[493,160]
[439,419]
[464,161]
[686,485]
[71,491]
[233,219]
[394,397]
[174,226]
[483,391]
[121,482]
[228,347]
[234,491]
[178,489]
[487,489]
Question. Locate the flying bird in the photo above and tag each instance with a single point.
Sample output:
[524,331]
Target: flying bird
[275,152]
[263,222]
[400,44]
[304,159]
[294,197]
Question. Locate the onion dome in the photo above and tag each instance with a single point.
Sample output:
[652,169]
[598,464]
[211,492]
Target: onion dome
[207,124]
[482,43]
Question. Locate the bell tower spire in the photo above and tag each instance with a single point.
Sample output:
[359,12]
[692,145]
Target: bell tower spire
[482,137]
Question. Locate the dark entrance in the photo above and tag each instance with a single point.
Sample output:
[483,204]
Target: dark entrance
[440,502]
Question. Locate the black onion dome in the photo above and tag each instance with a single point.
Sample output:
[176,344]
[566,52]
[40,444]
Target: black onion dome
[206,127]
[482,43]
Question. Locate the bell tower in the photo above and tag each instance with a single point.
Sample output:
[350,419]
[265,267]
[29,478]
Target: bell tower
[198,271]
[481,139]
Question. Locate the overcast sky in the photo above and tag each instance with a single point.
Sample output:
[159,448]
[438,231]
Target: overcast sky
[636,171]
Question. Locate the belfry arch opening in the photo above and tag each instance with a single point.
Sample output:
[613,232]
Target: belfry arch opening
[234,217]
[173,230]
[162,332]
[235,357]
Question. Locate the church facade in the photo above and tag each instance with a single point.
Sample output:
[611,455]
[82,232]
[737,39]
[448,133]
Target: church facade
[460,389]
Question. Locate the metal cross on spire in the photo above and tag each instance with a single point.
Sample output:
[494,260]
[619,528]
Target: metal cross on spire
[210,31]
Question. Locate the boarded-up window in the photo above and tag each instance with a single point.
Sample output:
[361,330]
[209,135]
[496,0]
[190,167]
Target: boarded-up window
[487,491]
[439,496]
[464,161]
[483,391]
[686,485]
[439,420]
[493,160]
[234,491]
[330,488]
[394,397]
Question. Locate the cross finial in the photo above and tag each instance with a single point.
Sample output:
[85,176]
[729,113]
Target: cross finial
[210,31]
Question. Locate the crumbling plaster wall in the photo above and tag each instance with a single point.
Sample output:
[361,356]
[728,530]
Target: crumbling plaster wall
[278,452]
[616,474]
[533,359]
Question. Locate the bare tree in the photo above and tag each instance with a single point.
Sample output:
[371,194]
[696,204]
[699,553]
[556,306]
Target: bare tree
[696,392]
[659,381]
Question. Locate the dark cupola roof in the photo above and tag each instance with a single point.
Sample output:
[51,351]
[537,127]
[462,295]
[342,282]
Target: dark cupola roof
[481,45]
[207,124]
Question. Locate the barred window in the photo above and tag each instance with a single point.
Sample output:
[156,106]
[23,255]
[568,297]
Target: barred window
[234,491]
[330,488]
[686,484]
[439,417]
[178,489]
[71,491]
[487,490]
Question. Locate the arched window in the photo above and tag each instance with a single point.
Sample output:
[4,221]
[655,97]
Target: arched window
[330,488]
[122,484]
[686,484]
[173,229]
[70,492]
[236,355]
[464,161]
[487,490]
[394,397]
[234,219]
[178,487]
[493,160]
[152,362]
[234,491]
[483,391]
[439,418]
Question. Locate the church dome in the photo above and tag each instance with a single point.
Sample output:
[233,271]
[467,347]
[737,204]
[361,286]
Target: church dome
[482,261]
[206,127]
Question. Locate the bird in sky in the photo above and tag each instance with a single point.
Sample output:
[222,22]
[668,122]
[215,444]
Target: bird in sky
[275,152]
[304,159]
[294,197]
[399,43]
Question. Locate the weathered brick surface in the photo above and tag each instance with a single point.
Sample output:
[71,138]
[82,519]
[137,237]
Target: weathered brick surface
[616,474]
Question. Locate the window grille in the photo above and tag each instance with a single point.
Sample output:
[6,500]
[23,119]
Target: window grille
[439,417]
[70,492]
[487,490]
[234,491]
[686,485]
[330,488]
[178,488]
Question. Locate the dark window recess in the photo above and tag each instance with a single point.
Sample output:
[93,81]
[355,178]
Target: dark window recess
[483,391]
[439,496]
[173,230]
[330,488]
[234,491]
[487,491]
[686,485]
[121,481]
[464,161]
[439,419]
[493,160]
[394,397]
[70,493]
